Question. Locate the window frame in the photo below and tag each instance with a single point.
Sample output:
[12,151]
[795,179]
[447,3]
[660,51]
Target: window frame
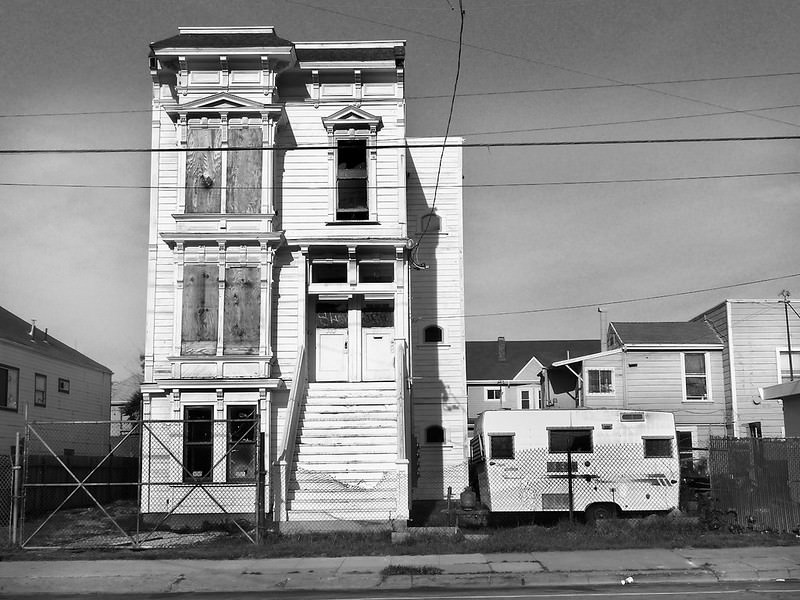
[439,430]
[188,475]
[509,436]
[341,141]
[433,327]
[4,404]
[795,363]
[612,384]
[63,385]
[40,392]
[551,430]
[658,438]
[231,444]
[498,389]
[707,376]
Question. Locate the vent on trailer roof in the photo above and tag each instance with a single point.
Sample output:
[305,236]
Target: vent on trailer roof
[631,416]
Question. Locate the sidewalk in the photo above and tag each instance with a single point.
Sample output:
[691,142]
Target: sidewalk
[19,578]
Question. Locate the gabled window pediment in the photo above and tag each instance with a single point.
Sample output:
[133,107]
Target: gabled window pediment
[351,117]
[222,102]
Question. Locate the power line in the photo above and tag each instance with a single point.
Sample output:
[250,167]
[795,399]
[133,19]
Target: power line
[395,187]
[625,301]
[629,121]
[464,95]
[535,61]
[602,86]
[446,134]
[404,146]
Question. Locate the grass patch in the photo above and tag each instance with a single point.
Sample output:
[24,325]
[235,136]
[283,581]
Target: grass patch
[652,532]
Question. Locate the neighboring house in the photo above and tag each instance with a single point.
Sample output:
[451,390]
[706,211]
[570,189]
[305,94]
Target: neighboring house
[43,379]
[121,394]
[757,335]
[507,374]
[675,367]
[788,394]
[295,258]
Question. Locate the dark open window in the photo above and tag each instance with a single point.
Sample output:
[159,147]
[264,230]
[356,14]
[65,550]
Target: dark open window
[198,443]
[434,434]
[9,387]
[40,390]
[502,446]
[242,431]
[570,440]
[658,448]
[328,272]
[351,181]
[433,334]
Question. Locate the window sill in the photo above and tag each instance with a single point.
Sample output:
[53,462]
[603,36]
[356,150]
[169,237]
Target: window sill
[433,345]
[686,401]
[346,223]
[9,408]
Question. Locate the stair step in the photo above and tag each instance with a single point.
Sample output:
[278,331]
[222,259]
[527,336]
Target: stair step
[338,497]
[354,457]
[339,470]
[382,506]
[300,516]
[377,446]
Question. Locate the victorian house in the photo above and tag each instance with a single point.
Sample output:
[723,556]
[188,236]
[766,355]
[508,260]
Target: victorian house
[305,291]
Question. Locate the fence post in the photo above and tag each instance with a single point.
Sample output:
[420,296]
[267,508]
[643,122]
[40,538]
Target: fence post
[16,496]
[260,489]
[569,487]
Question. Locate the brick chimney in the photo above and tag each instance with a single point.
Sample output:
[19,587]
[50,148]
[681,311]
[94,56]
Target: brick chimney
[501,349]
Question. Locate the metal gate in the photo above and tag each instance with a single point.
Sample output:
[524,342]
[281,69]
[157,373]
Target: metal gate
[153,484]
[755,482]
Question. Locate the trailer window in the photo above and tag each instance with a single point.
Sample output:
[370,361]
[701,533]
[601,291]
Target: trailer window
[658,447]
[502,446]
[570,440]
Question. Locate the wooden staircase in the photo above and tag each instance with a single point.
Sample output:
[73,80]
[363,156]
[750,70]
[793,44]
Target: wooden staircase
[345,467]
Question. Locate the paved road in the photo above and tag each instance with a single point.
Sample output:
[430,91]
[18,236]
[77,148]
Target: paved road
[719,591]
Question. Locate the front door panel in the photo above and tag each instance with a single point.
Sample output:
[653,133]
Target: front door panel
[332,347]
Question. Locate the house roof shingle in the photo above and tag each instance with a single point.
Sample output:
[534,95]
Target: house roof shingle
[676,333]
[483,363]
[17,331]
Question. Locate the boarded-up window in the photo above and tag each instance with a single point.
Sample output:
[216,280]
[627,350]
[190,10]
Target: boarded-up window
[242,310]
[203,171]
[244,171]
[200,309]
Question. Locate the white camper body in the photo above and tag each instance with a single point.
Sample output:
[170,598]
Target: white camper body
[622,460]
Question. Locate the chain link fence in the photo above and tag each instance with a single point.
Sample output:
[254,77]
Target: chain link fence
[755,483]
[162,484]
[600,480]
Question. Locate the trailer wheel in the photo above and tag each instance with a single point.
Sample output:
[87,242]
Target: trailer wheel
[601,512]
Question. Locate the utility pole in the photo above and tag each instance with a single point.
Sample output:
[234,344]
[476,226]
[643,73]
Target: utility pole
[786,294]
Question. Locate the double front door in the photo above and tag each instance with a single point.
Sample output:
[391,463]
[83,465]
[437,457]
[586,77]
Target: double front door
[354,339]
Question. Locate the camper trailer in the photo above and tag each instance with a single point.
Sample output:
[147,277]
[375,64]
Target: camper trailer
[601,462]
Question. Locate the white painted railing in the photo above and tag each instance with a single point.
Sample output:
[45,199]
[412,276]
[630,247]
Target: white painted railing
[403,399]
[286,452]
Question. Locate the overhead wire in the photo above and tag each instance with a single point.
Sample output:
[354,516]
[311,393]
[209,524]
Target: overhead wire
[615,302]
[534,61]
[401,145]
[423,186]
[415,249]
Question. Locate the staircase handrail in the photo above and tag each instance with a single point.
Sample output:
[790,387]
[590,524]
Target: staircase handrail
[300,382]
[401,387]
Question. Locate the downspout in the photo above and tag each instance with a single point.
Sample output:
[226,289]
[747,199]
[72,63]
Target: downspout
[731,367]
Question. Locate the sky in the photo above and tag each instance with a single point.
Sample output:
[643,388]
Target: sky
[546,227]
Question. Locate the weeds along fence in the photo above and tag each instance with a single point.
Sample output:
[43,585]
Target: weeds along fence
[755,482]
[160,484]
